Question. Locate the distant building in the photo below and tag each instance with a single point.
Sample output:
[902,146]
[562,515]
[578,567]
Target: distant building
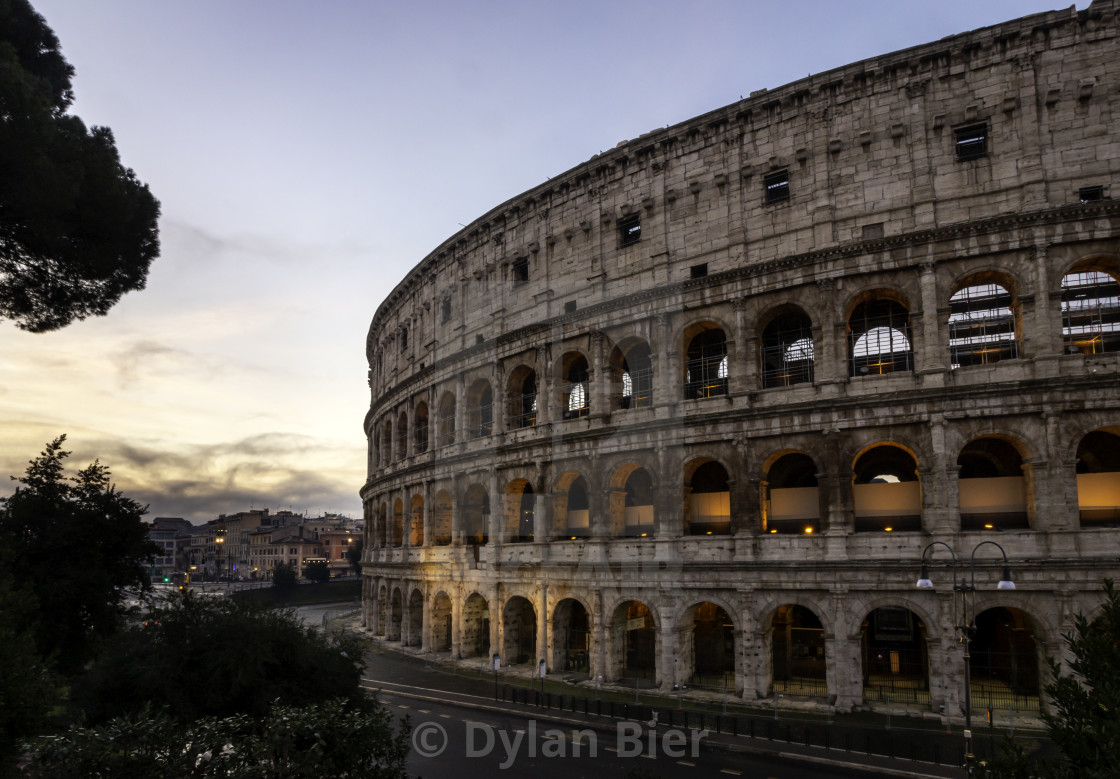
[167,533]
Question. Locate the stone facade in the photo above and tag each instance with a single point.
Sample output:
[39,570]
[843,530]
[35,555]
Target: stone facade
[692,411]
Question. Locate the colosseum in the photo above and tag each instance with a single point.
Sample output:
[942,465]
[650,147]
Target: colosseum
[695,412]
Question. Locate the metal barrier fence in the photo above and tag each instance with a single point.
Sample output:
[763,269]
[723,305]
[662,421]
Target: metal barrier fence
[916,745]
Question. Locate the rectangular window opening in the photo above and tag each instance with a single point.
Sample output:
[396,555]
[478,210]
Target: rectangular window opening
[629,230]
[1091,194]
[445,311]
[569,307]
[698,271]
[972,142]
[776,185]
[520,270]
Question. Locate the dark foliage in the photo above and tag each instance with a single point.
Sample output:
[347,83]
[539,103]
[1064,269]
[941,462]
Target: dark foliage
[1085,722]
[284,578]
[354,555]
[216,657]
[77,229]
[329,739]
[75,544]
[317,571]
[27,688]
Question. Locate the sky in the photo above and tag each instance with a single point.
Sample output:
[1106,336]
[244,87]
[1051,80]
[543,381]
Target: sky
[307,155]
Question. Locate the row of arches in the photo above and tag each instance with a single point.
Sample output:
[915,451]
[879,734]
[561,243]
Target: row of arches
[893,644]
[983,321]
[995,488]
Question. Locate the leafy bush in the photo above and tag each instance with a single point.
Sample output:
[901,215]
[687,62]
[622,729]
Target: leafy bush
[216,657]
[328,739]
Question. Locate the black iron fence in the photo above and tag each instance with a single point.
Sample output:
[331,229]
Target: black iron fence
[935,747]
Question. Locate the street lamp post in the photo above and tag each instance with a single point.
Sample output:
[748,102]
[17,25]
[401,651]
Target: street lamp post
[964,622]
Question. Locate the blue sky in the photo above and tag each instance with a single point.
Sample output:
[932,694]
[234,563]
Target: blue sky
[307,155]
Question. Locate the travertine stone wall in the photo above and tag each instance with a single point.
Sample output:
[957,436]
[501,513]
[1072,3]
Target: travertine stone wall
[880,208]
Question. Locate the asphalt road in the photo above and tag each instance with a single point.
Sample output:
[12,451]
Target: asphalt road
[460,731]
[455,742]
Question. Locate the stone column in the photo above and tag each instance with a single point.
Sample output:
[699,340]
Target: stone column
[599,379]
[497,510]
[457,512]
[664,378]
[426,622]
[496,627]
[934,348]
[835,482]
[843,664]
[546,394]
[669,672]
[427,513]
[542,628]
[498,394]
[460,409]
[743,368]
[941,501]
[1046,329]
[542,517]
[597,662]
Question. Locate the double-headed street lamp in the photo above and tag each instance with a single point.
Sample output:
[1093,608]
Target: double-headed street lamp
[964,622]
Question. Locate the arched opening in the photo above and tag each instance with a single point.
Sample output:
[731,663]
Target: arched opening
[402,435]
[797,645]
[637,509]
[895,660]
[575,398]
[571,637]
[1098,478]
[415,635]
[573,507]
[476,515]
[886,491]
[397,538]
[519,511]
[705,362]
[441,519]
[522,398]
[712,647]
[1090,310]
[993,490]
[632,374]
[787,350]
[1005,661]
[708,509]
[396,613]
[441,623]
[879,338]
[982,324]
[416,522]
[519,625]
[476,627]
[480,410]
[634,640]
[446,422]
[420,432]
[792,502]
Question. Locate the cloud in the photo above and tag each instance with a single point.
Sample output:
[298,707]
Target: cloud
[199,482]
[152,357]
